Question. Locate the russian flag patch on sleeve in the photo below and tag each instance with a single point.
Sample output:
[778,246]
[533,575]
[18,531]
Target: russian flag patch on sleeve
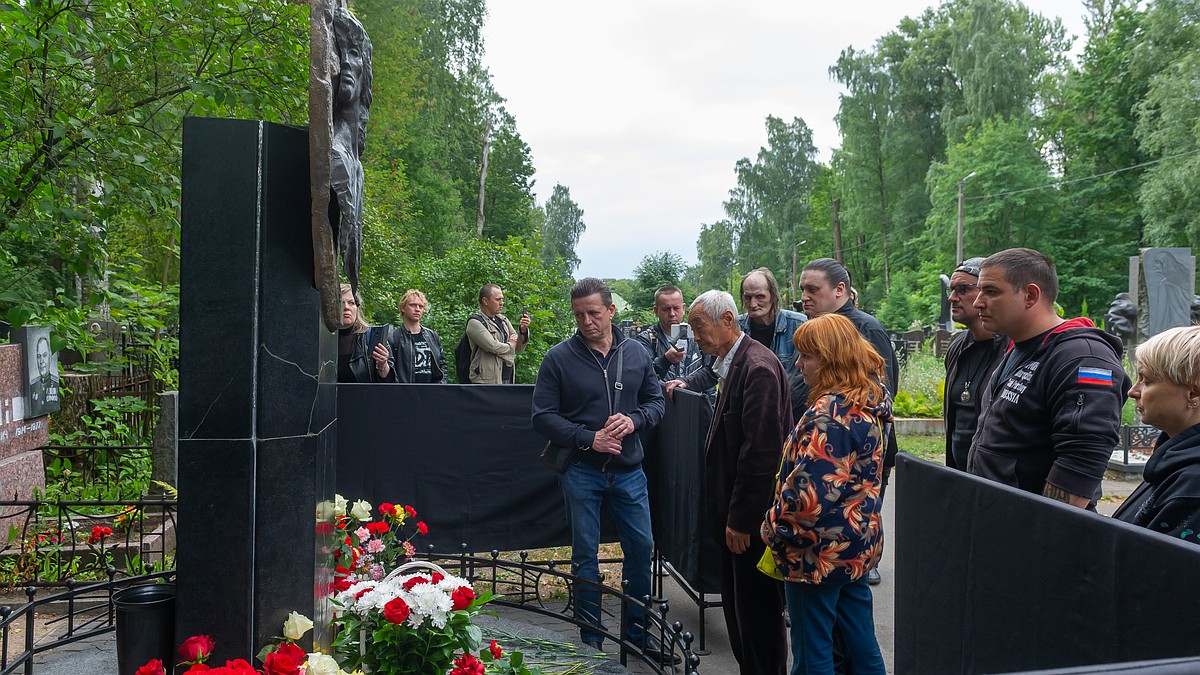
[1100,376]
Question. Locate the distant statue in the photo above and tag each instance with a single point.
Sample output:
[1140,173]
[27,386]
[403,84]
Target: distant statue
[351,107]
[1171,297]
[1121,319]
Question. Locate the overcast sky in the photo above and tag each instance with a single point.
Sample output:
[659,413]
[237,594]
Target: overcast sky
[643,108]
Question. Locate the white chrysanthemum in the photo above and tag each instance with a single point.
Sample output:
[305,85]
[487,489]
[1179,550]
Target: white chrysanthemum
[430,601]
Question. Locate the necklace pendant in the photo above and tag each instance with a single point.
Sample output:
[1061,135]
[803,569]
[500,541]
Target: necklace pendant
[966,395]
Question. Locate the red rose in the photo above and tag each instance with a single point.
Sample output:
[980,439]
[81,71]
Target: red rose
[387,509]
[240,666]
[422,527]
[496,651]
[396,610]
[324,528]
[437,577]
[152,667]
[463,597]
[412,513]
[415,581]
[341,584]
[196,648]
[197,668]
[467,664]
[99,533]
[284,661]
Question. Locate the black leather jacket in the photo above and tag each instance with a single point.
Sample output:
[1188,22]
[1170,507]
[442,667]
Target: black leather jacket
[405,358]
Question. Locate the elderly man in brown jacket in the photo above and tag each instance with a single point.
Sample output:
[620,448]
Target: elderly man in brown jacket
[752,419]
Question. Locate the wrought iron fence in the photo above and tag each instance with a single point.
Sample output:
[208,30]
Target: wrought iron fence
[57,543]
[522,583]
[88,611]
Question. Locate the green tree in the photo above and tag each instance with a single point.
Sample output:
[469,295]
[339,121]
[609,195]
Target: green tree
[91,117]
[714,250]
[658,269]
[562,228]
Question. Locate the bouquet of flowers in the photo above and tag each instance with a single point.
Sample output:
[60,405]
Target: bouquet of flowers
[418,618]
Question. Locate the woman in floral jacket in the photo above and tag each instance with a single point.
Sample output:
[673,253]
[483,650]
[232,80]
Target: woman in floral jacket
[824,529]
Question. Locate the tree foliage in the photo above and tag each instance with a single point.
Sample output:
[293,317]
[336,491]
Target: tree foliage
[562,227]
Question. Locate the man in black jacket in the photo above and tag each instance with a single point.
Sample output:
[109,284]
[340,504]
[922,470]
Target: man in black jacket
[970,359]
[594,391]
[1052,411]
[675,357]
[825,289]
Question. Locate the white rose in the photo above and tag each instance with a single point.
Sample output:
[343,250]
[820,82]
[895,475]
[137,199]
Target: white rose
[339,505]
[322,664]
[296,625]
[361,510]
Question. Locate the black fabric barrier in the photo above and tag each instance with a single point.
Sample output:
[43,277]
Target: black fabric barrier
[675,466]
[466,457]
[990,579]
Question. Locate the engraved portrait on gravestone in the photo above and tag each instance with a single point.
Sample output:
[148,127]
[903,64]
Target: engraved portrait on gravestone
[1169,288]
[351,107]
[41,371]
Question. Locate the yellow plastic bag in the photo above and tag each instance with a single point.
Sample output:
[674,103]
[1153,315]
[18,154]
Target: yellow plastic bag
[766,565]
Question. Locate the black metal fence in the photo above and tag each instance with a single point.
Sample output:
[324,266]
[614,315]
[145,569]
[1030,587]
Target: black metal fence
[87,611]
[522,584]
[58,543]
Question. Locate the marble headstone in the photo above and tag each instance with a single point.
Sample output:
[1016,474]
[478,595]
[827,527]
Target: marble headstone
[1166,283]
[21,436]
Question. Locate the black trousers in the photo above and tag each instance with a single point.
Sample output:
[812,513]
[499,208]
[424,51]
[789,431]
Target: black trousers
[753,606]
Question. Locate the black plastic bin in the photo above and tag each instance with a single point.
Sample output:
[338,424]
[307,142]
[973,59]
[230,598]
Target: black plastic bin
[145,626]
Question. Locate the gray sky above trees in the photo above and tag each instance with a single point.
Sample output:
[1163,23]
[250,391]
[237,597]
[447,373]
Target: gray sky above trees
[642,108]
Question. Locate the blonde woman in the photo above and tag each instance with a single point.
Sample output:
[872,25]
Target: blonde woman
[358,360]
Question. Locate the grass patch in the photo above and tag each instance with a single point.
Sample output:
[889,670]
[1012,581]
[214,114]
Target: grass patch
[927,447]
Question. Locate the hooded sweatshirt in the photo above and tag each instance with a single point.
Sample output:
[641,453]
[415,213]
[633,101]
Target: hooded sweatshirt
[1169,500]
[1056,418]
[824,526]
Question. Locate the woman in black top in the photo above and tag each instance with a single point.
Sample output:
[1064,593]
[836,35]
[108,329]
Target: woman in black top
[1168,397]
[354,341]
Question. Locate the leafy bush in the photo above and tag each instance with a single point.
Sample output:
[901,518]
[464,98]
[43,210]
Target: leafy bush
[922,381]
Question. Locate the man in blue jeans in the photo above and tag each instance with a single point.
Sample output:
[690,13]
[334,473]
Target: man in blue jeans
[594,391]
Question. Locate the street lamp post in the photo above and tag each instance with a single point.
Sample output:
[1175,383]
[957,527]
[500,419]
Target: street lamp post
[794,246]
[958,250]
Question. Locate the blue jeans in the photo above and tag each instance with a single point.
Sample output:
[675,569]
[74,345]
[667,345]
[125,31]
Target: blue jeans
[585,489]
[815,609]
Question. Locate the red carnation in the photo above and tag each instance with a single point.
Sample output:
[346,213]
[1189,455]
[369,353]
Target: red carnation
[496,651]
[284,661]
[387,509]
[467,664]
[417,580]
[377,529]
[196,648]
[412,513]
[422,527]
[462,597]
[324,528]
[152,667]
[396,610]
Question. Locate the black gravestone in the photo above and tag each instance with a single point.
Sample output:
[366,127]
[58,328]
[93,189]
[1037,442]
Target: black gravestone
[257,399]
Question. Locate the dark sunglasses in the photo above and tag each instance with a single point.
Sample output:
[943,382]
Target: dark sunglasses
[961,289]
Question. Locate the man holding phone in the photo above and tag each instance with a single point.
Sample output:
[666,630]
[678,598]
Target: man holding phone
[494,342]
[670,341]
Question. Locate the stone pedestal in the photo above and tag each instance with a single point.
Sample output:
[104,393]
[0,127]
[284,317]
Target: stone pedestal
[257,387]
[21,438]
[1164,281]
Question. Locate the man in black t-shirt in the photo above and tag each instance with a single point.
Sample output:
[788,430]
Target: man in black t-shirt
[970,359]
[419,356]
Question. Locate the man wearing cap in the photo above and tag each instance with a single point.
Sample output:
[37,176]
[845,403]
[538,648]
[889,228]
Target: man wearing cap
[1052,410]
[970,359]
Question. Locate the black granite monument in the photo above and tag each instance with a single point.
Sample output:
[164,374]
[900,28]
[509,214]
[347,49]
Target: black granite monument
[257,399]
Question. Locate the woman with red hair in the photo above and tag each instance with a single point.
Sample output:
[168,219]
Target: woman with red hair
[824,529]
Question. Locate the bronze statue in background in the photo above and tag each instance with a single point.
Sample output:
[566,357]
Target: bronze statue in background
[339,105]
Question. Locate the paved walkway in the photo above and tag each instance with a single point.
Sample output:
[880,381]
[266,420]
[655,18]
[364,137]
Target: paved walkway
[546,639]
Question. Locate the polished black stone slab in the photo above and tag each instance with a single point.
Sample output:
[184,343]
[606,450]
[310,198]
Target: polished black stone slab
[257,399]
